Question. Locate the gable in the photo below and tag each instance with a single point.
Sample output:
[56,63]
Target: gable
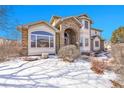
[41,27]
[36,25]
[97,38]
[72,19]
[54,18]
[69,22]
[95,29]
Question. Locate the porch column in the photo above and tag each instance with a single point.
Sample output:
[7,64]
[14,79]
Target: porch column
[57,42]
[61,36]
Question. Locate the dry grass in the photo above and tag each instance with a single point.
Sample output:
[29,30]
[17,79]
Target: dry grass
[118,55]
[98,66]
[9,49]
[116,84]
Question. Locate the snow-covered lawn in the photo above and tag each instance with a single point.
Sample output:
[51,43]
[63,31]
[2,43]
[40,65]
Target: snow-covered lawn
[52,73]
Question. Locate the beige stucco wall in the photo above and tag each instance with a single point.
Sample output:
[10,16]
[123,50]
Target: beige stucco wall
[85,33]
[93,32]
[85,36]
[36,51]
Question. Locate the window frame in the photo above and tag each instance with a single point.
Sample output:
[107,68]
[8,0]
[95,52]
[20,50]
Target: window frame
[43,36]
[40,35]
[32,41]
[97,44]
[86,24]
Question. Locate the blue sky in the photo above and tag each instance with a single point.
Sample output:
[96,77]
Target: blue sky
[106,18]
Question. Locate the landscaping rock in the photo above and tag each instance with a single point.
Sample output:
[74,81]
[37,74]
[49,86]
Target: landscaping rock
[44,55]
[30,59]
[69,53]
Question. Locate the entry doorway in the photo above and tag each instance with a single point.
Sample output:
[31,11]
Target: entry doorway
[69,37]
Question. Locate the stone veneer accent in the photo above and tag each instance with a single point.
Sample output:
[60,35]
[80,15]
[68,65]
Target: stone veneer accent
[69,24]
[24,41]
[57,42]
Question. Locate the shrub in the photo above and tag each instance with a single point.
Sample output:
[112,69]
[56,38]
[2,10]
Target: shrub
[118,55]
[116,84]
[98,66]
[8,49]
[23,52]
[69,53]
[118,35]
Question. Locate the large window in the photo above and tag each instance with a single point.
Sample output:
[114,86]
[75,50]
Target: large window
[33,41]
[42,39]
[96,43]
[86,42]
[51,42]
[86,24]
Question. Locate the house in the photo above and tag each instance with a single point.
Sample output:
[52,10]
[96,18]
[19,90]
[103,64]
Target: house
[38,37]
[107,45]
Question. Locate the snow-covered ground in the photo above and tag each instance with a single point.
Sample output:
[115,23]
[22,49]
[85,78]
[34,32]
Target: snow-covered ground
[52,73]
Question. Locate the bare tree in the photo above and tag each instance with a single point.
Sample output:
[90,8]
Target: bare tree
[4,14]
[8,26]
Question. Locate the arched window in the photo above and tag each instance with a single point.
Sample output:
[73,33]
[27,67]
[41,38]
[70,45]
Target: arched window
[42,39]
[41,33]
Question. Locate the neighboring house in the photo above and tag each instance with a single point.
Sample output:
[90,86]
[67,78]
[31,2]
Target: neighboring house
[107,45]
[41,36]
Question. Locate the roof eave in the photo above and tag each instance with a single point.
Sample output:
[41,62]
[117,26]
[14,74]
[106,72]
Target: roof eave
[52,18]
[97,29]
[26,26]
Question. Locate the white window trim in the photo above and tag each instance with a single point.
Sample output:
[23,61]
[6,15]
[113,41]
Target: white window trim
[36,35]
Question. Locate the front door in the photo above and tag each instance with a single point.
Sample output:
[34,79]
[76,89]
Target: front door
[69,37]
